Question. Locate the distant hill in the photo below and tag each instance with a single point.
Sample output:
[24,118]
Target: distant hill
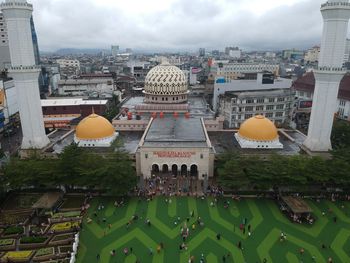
[77,51]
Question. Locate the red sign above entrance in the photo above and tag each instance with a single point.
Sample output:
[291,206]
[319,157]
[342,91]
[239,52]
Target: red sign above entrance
[166,154]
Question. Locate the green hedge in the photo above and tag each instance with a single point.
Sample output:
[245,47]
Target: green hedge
[28,240]
[12,230]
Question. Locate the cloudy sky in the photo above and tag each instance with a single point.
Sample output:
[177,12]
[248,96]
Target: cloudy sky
[179,25]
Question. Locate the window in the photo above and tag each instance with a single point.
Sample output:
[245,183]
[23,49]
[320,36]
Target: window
[279,114]
[280,107]
[280,99]
[260,100]
[342,102]
[247,116]
[259,108]
[249,101]
[271,99]
[301,93]
[250,108]
[270,107]
[269,115]
[308,94]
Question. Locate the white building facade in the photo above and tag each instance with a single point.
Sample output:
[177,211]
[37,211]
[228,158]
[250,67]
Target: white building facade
[232,71]
[5,59]
[220,87]
[17,14]
[83,87]
[312,55]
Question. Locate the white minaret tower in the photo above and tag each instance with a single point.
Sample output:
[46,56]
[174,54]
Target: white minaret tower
[17,14]
[336,14]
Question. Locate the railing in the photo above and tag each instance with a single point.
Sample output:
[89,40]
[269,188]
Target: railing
[324,68]
[25,67]
[16,4]
[337,4]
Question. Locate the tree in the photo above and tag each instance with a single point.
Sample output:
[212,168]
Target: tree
[117,175]
[231,173]
[341,134]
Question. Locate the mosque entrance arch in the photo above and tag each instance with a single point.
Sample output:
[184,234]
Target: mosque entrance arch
[184,169]
[165,168]
[174,169]
[155,169]
[194,170]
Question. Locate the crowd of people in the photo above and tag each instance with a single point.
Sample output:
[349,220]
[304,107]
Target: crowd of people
[189,225]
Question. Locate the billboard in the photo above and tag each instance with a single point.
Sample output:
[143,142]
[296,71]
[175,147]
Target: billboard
[305,104]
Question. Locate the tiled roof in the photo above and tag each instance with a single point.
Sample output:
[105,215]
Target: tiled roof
[307,83]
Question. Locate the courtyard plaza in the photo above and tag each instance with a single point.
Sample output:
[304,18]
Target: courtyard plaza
[208,229]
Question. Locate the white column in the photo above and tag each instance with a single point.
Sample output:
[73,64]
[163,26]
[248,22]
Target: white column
[336,14]
[17,14]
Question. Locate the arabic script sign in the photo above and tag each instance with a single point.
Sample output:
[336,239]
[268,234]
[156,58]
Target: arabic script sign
[169,154]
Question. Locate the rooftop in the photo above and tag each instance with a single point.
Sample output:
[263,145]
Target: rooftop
[71,102]
[197,106]
[307,83]
[224,141]
[172,132]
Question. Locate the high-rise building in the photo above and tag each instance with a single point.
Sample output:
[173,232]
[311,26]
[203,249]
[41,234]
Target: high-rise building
[330,71]
[17,14]
[115,51]
[202,52]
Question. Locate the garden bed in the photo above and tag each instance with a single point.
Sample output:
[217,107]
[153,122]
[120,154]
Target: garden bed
[7,244]
[20,201]
[65,249]
[72,202]
[65,216]
[63,239]
[33,242]
[18,256]
[44,254]
[13,231]
[38,230]
[14,218]
[65,227]
[67,260]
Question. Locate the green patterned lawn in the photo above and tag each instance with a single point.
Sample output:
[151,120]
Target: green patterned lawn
[263,215]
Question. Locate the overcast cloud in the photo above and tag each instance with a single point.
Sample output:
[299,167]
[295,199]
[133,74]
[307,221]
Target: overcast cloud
[177,24]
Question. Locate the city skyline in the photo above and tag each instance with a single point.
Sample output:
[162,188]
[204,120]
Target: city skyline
[177,25]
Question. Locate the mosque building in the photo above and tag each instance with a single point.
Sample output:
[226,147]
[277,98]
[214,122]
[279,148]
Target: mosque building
[171,132]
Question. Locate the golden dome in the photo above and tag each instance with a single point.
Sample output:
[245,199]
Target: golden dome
[258,128]
[94,127]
